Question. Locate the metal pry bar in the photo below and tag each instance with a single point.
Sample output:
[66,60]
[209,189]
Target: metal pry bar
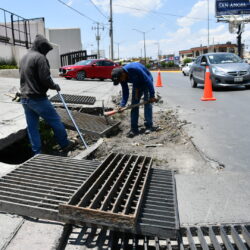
[71,117]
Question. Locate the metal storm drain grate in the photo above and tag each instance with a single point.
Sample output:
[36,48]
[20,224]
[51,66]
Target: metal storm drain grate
[113,193]
[158,215]
[38,186]
[90,124]
[195,238]
[123,193]
[74,99]
[216,237]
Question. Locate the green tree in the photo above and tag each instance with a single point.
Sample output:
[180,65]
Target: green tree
[187,60]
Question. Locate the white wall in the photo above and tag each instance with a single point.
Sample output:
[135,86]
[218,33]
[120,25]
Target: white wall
[62,40]
[9,51]
[69,40]
[53,57]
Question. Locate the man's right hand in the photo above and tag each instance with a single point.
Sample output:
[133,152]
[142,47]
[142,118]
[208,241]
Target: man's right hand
[57,87]
[120,109]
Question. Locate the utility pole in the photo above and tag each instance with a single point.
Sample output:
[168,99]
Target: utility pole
[208,26]
[240,27]
[111,32]
[98,38]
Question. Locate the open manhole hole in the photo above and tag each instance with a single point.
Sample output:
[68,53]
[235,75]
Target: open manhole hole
[16,153]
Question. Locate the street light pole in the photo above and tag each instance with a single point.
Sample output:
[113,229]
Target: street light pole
[111,33]
[208,26]
[158,50]
[144,42]
[145,57]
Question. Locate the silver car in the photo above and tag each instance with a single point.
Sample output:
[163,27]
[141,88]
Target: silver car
[226,69]
[186,69]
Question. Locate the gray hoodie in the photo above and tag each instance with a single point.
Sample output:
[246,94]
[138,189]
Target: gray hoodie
[35,79]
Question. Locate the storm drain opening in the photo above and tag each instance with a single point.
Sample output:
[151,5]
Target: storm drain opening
[17,152]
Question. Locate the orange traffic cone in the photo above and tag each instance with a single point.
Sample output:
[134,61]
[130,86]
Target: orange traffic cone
[158,81]
[208,92]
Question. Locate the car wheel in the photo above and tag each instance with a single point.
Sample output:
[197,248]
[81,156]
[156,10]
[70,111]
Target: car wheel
[193,82]
[247,87]
[183,73]
[80,76]
[68,78]
[101,79]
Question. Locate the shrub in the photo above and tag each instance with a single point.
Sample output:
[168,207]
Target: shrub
[170,64]
[8,63]
[163,64]
[8,67]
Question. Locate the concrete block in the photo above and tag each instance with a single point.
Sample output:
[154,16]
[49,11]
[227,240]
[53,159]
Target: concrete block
[40,235]
[213,198]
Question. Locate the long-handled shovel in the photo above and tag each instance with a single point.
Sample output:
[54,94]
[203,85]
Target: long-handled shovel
[115,111]
[72,119]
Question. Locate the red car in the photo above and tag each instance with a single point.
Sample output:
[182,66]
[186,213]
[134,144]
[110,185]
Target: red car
[92,68]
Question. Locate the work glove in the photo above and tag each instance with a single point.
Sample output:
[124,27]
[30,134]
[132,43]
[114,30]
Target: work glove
[120,108]
[17,97]
[56,87]
[153,99]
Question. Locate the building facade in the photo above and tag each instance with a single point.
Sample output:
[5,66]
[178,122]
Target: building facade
[197,51]
[17,35]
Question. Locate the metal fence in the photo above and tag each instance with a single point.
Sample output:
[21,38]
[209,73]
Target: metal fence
[73,57]
[14,29]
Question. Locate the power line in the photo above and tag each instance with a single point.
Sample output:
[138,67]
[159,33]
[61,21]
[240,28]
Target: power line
[80,13]
[98,9]
[161,13]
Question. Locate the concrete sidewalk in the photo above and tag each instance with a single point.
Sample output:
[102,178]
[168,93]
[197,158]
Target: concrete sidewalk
[37,235]
[12,120]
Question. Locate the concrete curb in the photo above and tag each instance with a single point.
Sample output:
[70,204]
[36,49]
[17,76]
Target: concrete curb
[14,73]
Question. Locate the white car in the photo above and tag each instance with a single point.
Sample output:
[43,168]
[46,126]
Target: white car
[186,69]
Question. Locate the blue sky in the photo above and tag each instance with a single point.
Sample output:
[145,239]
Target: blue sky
[168,25]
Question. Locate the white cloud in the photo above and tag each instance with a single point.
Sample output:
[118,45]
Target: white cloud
[198,12]
[70,2]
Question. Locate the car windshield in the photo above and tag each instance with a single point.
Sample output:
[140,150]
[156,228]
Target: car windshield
[85,62]
[224,58]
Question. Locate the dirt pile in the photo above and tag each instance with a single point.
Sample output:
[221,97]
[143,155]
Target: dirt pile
[169,146]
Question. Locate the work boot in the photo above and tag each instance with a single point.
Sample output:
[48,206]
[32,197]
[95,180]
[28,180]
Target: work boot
[132,133]
[69,147]
[151,129]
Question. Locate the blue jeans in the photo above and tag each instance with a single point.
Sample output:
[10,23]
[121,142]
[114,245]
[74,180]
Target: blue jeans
[42,107]
[136,97]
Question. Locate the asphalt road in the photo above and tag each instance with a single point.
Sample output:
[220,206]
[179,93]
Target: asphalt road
[221,128]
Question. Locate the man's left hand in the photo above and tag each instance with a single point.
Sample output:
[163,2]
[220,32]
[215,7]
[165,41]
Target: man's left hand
[153,99]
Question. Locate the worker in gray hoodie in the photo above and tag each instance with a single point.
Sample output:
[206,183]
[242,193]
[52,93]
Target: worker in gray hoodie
[35,80]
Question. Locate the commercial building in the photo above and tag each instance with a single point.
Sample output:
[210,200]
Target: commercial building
[197,51]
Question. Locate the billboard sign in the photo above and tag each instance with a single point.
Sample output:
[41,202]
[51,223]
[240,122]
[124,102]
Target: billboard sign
[232,7]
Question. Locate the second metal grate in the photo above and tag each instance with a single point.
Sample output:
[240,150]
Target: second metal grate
[74,99]
[113,194]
